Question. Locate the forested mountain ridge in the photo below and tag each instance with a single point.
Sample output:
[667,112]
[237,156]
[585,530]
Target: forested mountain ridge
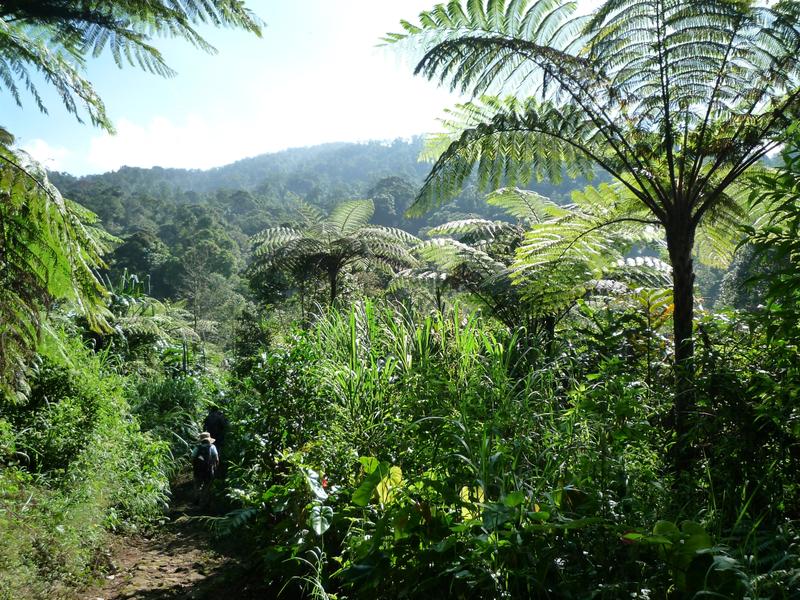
[321,175]
[173,221]
[335,163]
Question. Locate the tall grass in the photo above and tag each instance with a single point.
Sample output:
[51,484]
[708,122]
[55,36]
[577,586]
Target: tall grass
[461,461]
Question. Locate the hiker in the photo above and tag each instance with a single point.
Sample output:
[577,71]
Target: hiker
[216,424]
[205,462]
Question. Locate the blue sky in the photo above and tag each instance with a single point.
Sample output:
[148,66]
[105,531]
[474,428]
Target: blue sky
[315,76]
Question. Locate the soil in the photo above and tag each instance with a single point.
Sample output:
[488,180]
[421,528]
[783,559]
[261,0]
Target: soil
[180,560]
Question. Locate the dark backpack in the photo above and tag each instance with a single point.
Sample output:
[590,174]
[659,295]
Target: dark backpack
[203,469]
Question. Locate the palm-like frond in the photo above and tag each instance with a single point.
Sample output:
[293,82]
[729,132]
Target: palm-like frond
[350,216]
[49,251]
[310,214]
[525,205]
[135,314]
[22,56]
[53,38]
[479,228]
[324,246]
[564,253]
[674,98]
[641,271]
[448,254]
[509,142]
[275,237]
[586,246]
[419,275]
[600,226]
[388,234]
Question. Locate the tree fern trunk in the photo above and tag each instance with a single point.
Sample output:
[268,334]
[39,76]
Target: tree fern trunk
[680,242]
[333,276]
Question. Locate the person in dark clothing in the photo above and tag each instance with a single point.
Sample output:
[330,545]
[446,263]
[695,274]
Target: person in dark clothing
[205,464]
[216,424]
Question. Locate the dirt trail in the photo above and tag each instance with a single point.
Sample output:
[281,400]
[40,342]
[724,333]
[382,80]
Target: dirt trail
[177,561]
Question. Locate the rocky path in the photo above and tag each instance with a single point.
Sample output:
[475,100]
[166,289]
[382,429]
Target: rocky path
[177,561]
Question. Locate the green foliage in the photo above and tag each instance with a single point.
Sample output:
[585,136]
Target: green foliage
[438,405]
[141,328]
[674,101]
[383,453]
[587,91]
[171,410]
[328,245]
[775,242]
[74,464]
[49,251]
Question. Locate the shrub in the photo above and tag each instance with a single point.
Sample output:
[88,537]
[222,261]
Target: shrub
[76,465]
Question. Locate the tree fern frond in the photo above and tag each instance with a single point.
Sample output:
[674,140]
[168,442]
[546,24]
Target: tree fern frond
[497,137]
[350,216]
[325,246]
[49,250]
[641,271]
[480,228]
[390,234]
[525,205]
[274,237]
[311,214]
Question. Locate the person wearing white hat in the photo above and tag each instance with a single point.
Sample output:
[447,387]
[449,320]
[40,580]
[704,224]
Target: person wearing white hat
[205,462]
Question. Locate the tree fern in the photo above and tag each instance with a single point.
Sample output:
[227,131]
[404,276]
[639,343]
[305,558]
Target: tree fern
[541,269]
[326,246]
[49,251]
[675,99]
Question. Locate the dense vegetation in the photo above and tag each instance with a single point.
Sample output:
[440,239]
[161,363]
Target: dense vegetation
[474,390]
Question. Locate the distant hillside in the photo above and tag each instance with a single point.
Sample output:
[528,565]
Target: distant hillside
[332,165]
[171,218]
[133,198]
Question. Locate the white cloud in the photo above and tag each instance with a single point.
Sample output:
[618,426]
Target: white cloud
[274,120]
[338,87]
[160,142]
[315,77]
[51,157]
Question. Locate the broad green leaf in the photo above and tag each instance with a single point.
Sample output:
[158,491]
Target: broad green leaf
[496,514]
[514,499]
[388,484]
[668,529]
[313,480]
[365,492]
[369,463]
[473,496]
[320,518]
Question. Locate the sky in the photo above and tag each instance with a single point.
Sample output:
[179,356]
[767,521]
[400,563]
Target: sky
[316,75]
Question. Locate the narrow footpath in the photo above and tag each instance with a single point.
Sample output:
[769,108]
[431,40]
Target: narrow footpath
[177,561]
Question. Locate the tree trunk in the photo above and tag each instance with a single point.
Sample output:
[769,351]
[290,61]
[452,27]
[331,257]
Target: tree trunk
[549,336]
[680,242]
[333,277]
